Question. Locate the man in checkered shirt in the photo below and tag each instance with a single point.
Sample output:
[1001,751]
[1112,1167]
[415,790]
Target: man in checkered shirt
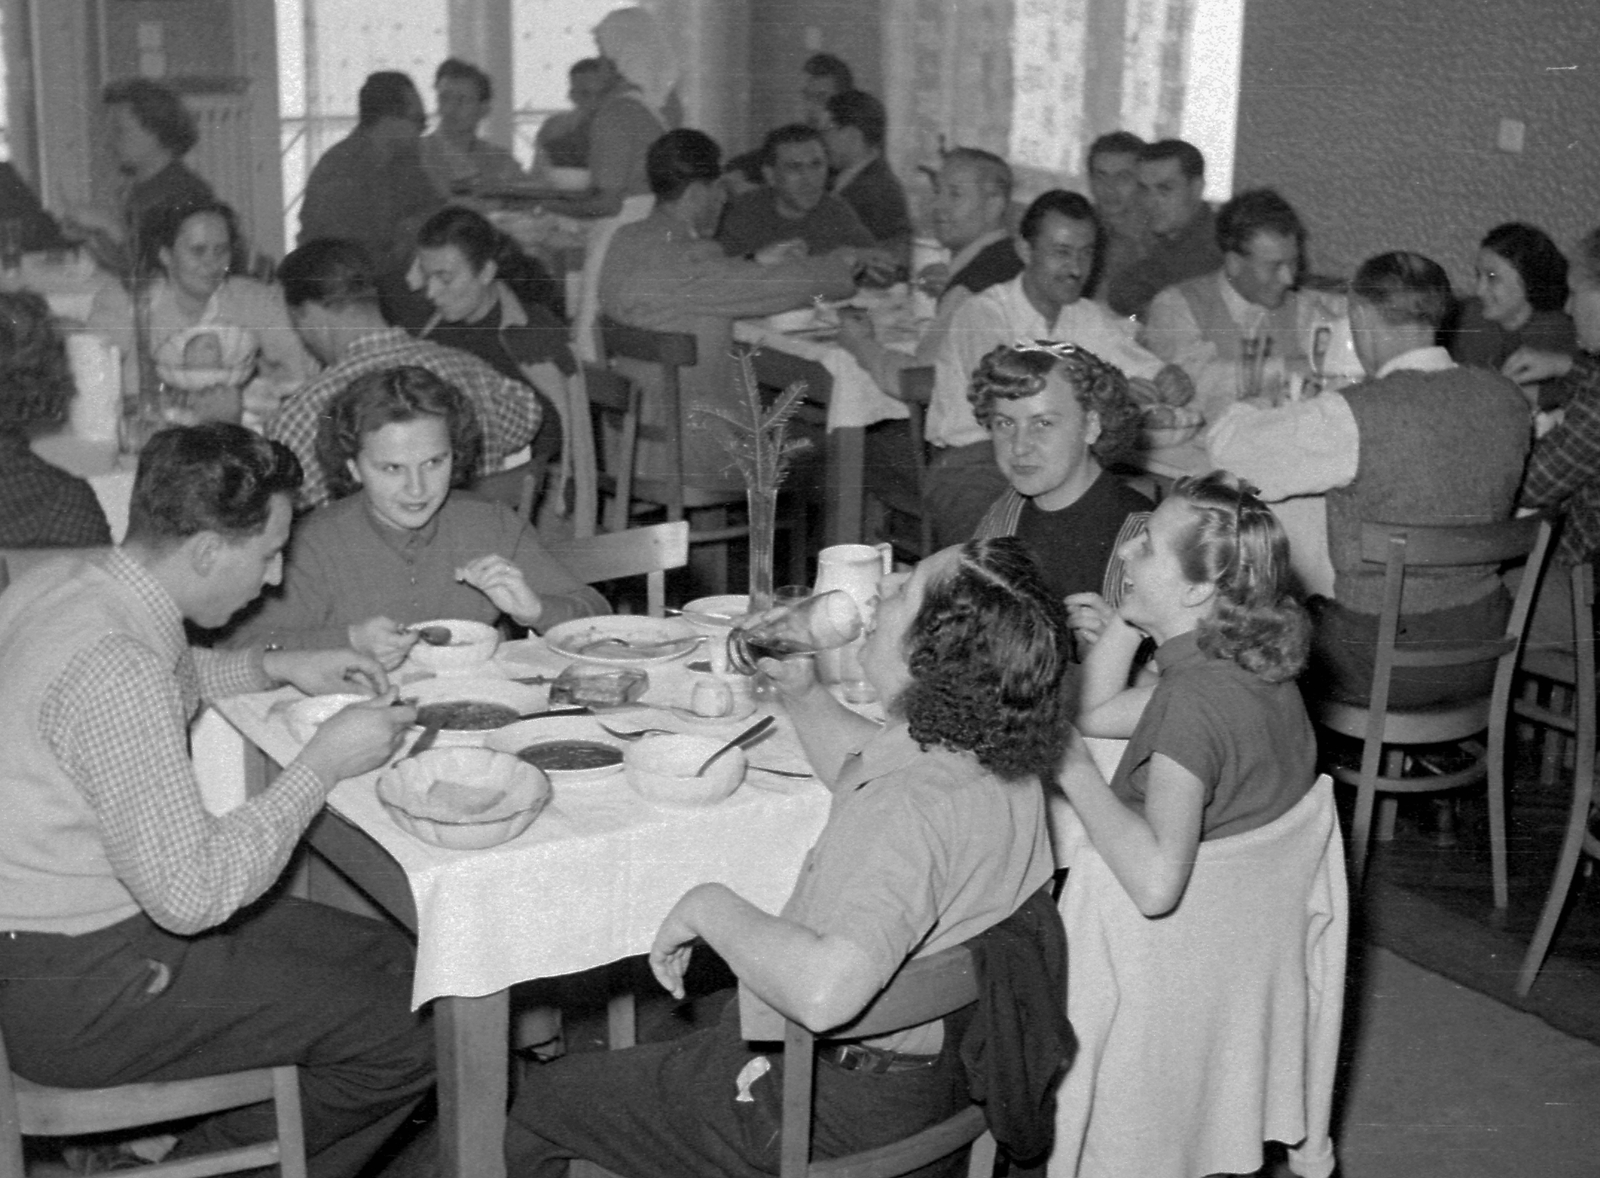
[131,944]
[333,300]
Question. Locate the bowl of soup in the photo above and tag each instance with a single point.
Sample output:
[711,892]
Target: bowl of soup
[471,645]
[463,798]
[661,769]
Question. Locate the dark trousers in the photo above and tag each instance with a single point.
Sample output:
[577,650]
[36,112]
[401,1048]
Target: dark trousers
[666,1110]
[1344,649]
[292,982]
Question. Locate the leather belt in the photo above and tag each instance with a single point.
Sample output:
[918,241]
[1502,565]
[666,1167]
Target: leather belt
[858,1057]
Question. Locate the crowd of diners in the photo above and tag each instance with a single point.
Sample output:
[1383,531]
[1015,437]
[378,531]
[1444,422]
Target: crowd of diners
[335,471]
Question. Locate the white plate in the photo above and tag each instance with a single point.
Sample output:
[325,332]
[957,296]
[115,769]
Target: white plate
[717,613]
[571,639]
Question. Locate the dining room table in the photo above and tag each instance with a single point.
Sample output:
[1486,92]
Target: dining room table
[784,351]
[587,884]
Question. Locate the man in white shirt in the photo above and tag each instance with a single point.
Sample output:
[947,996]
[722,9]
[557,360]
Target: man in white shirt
[1420,441]
[1059,237]
[1240,330]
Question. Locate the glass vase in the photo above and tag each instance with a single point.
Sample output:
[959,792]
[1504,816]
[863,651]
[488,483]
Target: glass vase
[763,506]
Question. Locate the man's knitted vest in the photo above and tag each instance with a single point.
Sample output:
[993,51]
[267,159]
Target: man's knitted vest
[1218,327]
[54,875]
[1435,448]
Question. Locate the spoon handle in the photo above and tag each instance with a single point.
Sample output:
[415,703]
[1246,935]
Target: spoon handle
[745,737]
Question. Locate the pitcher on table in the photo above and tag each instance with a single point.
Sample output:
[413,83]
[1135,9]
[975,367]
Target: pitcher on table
[856,569]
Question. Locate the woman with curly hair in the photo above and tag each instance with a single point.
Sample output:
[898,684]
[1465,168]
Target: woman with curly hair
[401,542]
[1221,743]
[936,834]
[41,506]
[1058,416]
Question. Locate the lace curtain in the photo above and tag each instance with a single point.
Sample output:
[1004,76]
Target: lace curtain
[1036,80]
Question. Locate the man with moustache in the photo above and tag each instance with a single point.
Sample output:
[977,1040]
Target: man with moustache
[1059,236]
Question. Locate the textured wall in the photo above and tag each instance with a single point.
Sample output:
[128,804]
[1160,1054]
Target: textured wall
[849,29]
[1378,119]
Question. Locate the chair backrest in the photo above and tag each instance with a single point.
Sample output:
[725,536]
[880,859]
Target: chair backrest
[1399,547]
[28,1109]
[916,390]
[648,551]
[614,401]
[670,352]
[926,988]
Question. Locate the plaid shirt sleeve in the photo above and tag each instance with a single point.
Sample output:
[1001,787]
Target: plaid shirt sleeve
[508,410]
[1568,457]
[116,721]
[295,425]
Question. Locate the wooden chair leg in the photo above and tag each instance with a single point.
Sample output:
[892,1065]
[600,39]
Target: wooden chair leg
[1560,886]
[1389,806]
[1361,829]
[1497,811]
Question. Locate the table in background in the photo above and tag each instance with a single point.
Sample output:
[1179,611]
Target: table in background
[587,884]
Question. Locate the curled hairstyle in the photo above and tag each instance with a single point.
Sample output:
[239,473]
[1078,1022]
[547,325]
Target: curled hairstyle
[384,398]
[1012,372]
[35,382]
[159,111]
[1238,545]
[215,477]
[988,653]
[1538,261]
[161,226]
[1404,289]
[328,271]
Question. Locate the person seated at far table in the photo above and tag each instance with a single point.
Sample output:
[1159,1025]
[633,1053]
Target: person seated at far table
[1205,325]
[852,127]
[1113,167]
[1519,300]
[41,506]
[663,273]
[1420,441]
[823,76]
[1058,415]
[133,946]
[795,205]
[454,157]
[332,292]
[563,138]
[936,833]
[1059,238]
[403,542]
[1183,236]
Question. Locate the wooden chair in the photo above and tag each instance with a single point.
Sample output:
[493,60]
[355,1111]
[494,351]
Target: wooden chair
[670,353]
[925,989]
[647,551]
[1383,730]
[1580,724]
[916,390]
[613,400]
[29,1109]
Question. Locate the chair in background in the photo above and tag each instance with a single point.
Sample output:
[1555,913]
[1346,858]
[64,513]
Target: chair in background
[670,353]
[901,502]
[649,551]
[926,988]
[613,402]
[1384,731]
[1579,724]
[29,1109]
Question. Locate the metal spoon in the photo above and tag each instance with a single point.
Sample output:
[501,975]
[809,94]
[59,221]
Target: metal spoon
[433,635]
[748,735]
[424,742]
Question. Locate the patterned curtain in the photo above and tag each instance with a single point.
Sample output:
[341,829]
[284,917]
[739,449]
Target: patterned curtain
[1037,80]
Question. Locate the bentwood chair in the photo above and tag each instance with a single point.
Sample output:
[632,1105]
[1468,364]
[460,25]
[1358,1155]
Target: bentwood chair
[1385,732]
[29,1109]
[1580,725]
[899,499]
[649,552]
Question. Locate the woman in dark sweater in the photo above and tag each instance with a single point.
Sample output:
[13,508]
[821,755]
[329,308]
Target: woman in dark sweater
[41,506]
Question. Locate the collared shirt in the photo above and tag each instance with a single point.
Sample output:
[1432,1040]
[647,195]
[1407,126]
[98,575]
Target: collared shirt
[1305,447]
[1564,469]
[1003,314]
[117,719]
[508,411]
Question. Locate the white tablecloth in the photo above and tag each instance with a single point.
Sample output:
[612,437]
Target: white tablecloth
[590,881]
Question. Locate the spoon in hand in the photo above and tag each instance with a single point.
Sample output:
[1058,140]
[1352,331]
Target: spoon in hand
[745,737]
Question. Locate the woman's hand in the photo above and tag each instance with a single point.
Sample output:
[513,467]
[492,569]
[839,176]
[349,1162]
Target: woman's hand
[1530,366]
[383,639]
[503,583]
[793,677]
[1089,614]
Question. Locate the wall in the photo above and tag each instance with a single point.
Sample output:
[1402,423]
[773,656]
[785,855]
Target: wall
[1377,119]
[847,28]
